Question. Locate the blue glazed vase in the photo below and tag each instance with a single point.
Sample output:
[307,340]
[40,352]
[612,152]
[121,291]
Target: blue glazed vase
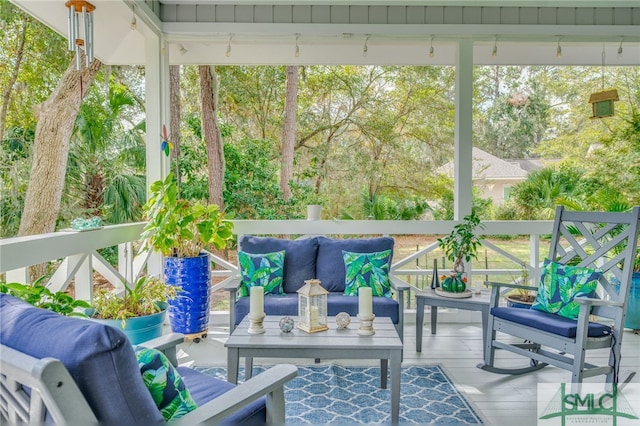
[189,312]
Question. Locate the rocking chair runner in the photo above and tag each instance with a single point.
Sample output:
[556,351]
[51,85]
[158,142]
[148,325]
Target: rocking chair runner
[602,241]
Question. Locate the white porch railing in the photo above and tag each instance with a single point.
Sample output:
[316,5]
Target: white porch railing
[75,254]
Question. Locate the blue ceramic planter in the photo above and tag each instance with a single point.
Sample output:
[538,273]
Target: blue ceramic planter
[633,308]
[189,312]
[138,329]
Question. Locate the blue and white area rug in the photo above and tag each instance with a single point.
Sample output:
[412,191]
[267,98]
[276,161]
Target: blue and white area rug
[335,394]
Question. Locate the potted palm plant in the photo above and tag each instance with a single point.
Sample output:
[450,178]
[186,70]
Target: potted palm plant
[180,230]
[460,246]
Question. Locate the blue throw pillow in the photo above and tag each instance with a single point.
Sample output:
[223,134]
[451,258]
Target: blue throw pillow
[299,259]
[561,284]
[164,383]
[265,270]
[330,266]
[367,270]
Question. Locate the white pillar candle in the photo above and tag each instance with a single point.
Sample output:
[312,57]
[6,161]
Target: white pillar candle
[256,303]
[365,302]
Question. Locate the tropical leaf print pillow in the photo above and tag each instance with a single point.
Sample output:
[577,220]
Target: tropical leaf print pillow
[165,384]
[561,284]
[367,270]
[265,270]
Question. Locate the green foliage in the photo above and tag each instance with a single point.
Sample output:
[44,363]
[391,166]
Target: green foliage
[41,297]
[444,211]
[146,297]
[462,244]
[178,227]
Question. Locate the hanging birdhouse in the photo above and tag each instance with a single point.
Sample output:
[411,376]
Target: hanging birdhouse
[312,307]
[602,103]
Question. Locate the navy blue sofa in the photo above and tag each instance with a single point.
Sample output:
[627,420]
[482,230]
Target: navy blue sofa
[103,365]
[321,258]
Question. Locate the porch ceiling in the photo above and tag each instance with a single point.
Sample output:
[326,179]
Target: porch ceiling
[335,32]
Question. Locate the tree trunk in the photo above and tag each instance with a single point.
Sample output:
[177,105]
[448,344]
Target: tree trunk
[6,94]
[289,131]
[211,133]
[56,118]
[174,121]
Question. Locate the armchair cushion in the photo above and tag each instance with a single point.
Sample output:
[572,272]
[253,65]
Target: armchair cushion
[99,358]
[205,388]
[164,383]
[551,323]
[561,284]
[265,270]
[367,270]
[330,265]
[299,258]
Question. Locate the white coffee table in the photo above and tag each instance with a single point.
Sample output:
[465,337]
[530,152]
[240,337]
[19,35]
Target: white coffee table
[384,345]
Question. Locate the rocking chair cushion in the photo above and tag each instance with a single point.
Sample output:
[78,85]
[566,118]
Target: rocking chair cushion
[551,323]
[561,284]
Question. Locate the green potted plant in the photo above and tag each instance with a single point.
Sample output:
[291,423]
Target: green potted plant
[180,230]
[41,297]
[139,312]
[521,297]
[459,246]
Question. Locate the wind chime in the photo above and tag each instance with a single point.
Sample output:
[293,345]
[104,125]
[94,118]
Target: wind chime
[80,36]
[602,102]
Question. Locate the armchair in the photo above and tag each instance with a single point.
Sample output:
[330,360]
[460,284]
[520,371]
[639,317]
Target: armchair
[601,245]
[74,371]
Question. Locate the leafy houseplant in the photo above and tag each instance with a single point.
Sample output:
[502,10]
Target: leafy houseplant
[148,296]
[139,312]
[180,230]
[41,297]
[459,246]
[179,227]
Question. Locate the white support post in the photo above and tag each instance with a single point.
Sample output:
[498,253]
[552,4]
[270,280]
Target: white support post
[157,110]
[20,275]
[83,283]
[463,170]
[125,261]
[534,258]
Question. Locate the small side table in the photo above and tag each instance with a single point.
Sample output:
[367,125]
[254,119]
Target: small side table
[477,302]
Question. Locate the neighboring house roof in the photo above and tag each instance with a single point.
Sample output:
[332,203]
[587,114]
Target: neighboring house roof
[489,167]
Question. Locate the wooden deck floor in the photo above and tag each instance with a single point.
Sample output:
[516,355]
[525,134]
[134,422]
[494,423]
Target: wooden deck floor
[501,400]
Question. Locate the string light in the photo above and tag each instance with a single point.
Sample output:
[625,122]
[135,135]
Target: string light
[228,52]
[494,51]
[431,51]
[297,53]
[559,49]
[365,48]
[620,47]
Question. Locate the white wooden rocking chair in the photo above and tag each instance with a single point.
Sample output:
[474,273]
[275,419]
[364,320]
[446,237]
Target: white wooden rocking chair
[602,241]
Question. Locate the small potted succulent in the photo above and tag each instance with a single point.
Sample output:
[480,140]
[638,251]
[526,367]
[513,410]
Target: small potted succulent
[460,246]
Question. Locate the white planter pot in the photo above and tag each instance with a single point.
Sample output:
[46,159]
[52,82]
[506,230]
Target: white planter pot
[314,211]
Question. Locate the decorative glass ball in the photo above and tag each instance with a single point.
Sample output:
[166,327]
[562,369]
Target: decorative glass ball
[286,324]
[343,320]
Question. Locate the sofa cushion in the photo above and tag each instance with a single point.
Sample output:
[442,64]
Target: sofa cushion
[99,358]
[367,270]
[336,302]
[560,284]
[330,264]
[382,306]
[278,305]
[299,259]
[204,388]
[548,322]
[165,384]
[264,270]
